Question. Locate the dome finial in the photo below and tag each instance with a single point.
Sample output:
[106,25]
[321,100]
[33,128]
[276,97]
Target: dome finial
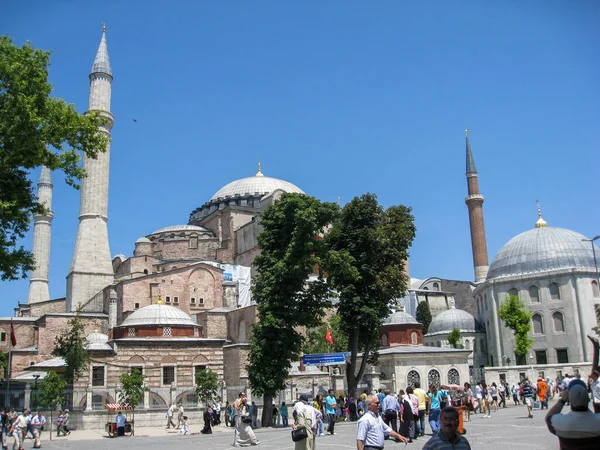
[541,223]
[466,132]
[103,27]
[259,173]
[159,302]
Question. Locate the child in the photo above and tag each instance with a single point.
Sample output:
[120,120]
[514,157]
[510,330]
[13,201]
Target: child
[185,428]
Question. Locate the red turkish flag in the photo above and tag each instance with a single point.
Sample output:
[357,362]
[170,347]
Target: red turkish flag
[13,338]
[328,337]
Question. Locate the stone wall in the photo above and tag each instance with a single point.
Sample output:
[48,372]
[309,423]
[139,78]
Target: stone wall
[96,420]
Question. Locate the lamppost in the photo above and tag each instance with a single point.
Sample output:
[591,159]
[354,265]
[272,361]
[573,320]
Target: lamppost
[591,241]
[533,377]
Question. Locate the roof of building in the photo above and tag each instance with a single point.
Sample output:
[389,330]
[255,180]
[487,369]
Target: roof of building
[175,228]
[159,315]
[470,161]
[49,364]
[452,318]
[45,176]
[258,185]
[144,240]
[542,249]
[102,61]
[418,349]
[97,341]
[400,317]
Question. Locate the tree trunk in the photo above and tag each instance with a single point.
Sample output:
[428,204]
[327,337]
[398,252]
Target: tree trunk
[133,421]
[267,413]
[50,426]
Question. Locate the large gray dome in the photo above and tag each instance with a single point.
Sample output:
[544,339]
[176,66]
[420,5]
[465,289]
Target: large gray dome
[158,315]
[542,250]
[258,185]
[448,320]
[400,318]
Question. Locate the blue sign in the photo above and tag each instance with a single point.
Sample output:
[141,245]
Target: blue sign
[324,359]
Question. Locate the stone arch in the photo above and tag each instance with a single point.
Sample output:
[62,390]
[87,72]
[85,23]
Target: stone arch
[156,400]
[513,291]
[200,360]
[554,291]
[187,398]
[558,321]
[136,361]
[467,344]
[242,338]
[433,378]
[201,285]
[169,360]
[538,323]
[534,294]
[99,399]
[413,377]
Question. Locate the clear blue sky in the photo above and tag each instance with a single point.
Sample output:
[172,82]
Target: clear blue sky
[340,98]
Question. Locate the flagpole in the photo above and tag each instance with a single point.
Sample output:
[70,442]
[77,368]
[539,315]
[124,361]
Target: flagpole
[6,399]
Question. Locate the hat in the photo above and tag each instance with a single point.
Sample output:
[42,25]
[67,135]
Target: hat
[577,382]
[578,396]
[303,398]
[539,378]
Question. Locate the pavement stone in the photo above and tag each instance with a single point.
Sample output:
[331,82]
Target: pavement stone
[507,428]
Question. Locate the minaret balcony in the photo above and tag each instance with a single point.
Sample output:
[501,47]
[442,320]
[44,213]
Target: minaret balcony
[474,198]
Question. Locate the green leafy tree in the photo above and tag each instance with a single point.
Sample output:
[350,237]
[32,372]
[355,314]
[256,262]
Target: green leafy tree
[368,248]
[291,250]
[52,392]
[132,390]
[315,338]
[207,386]
[70,344]
[424,315]
[454,338]
[517,318]
[35,129]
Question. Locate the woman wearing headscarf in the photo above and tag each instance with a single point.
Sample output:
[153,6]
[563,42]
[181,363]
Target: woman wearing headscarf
[304,416]
[208,418]
[243,434]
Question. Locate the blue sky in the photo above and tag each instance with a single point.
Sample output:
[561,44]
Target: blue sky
[339,98]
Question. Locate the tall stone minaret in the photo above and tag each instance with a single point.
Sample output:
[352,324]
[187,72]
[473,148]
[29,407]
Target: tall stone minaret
[474,202]
[91,268]
[42,227]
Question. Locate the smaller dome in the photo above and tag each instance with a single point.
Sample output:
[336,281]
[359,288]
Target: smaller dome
[400,317]
[143,240]
[97,341]
[175,228]
[120,256]
[448,320]
[158,315]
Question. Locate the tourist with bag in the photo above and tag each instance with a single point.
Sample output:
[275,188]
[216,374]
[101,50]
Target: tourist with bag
[304,419]
[243,434]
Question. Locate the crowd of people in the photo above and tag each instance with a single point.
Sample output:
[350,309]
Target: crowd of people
[20,426]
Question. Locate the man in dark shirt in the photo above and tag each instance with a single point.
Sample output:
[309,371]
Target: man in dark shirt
[528,396]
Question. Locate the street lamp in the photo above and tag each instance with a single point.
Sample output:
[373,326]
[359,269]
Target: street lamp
[532,370]
[591,241]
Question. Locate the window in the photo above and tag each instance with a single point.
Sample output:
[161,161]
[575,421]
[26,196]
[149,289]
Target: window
[3,336]
[167,331]
[201,301]
[139,369]
[168,375]
[534,294]
[540,357]
[176,300]
[384,340]
[131,332]
[559,322]
[433,378]
[193,242]
[436,286]
[478,309]
[513,292]
[197,370]
[193,301]
[538,324]
[562,356]
[136,306]
[554,292]
[413,338]
[98,376]
[503,377]
[97,402]
[482,345]
[468,344]
[595,291]
[453,376]
[520,360]
[145,271]
[167,299]
[412,378]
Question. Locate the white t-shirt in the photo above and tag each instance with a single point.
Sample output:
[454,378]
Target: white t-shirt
[595,388]
[478,392]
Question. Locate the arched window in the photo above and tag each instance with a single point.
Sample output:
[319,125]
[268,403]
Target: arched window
[538,324]
[412,378]
[554,291]
[595,291]
[384,340]
[433,379]
[453,377]
[474,345]
[513,291]
[413,338]
[534,294]
[436,286]
[145,271]
[559,322]
[467,344]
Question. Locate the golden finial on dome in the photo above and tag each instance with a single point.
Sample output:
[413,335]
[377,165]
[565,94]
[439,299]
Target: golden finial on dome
[259,173]
[103,27]
[159,302]
[467,132]
[541,223]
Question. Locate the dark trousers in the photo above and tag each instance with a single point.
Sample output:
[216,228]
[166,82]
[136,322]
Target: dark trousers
[121,431]
[421,423]
[502,402]
[391,419]
[596,408]
[331,426]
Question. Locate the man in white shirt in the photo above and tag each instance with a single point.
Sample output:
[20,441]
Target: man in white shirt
[37,423]
[170,413]
[372,430]
[595,390]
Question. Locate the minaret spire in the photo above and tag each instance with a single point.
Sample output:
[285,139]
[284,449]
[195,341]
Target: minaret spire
[541,223]
[474,202]
[259,173]
[42,227]
[91,268]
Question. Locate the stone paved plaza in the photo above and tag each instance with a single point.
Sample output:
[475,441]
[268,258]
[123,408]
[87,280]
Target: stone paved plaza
[508,428]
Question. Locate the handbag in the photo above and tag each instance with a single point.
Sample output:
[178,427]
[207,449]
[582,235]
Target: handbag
[246,419]
[299,434]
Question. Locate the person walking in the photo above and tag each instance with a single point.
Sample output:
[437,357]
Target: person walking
[594,387]
[319,405]
[528,396]
[542,392]
[180,412]
[391,408]
[120,420]
[254,415]
[284,414]
[407,424]
[37,423]
[494,396]
[372,430]
[434,408]
[243,435]
[66,423]
[208,421]
[422,396]
[170,413]
[448,438]
[330,406]
[515,394]
[468,401]
[22,422]
[304,418]
[59,424]
[185,428]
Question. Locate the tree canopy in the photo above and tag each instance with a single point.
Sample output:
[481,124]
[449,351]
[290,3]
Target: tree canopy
[518,319]
[35,129]
[424,315]
[132,387]
[367,250]
[207,386]
[454,338]
[70,344]
[291,250]
[315,342]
